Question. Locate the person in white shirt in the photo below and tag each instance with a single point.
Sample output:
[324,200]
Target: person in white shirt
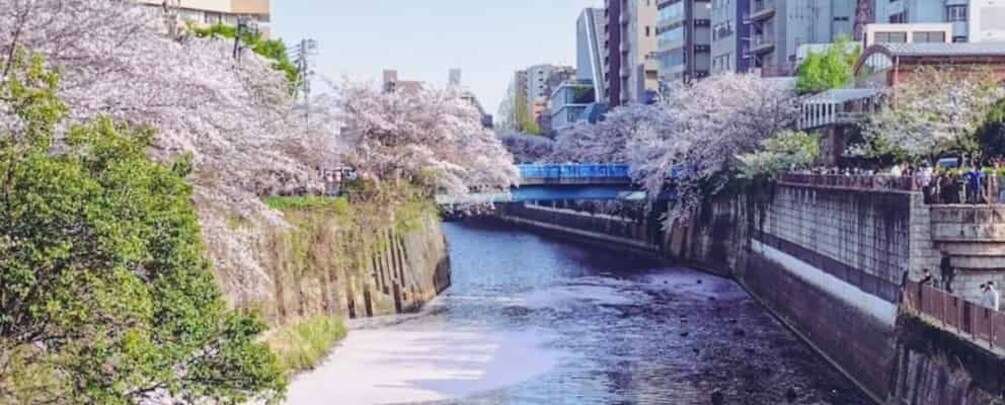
[896,170]
[993,299]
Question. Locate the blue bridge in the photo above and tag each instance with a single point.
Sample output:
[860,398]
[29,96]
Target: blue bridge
[550,182]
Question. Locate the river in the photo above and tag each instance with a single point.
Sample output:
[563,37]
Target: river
[531,320]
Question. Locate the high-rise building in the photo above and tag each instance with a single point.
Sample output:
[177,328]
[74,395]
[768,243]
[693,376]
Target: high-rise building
[730,36]
[779,27]
[612,51]
[972,20]
[537,83]
[639,67]
[589,48]
[684,39]
[209,12]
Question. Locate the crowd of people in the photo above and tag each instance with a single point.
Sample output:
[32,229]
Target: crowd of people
[972,185]
[989,296]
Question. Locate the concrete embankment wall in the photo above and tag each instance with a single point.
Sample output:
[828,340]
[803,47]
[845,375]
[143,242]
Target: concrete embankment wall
[828,263]
[356,264]
[590,228]
[825,262]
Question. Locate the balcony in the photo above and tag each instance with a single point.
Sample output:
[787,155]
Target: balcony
[762,44]
[670,21]
[782,70]
[761,10]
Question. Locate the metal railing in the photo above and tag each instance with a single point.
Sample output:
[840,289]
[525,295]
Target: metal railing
[855,182]
[574,171]
[982,324]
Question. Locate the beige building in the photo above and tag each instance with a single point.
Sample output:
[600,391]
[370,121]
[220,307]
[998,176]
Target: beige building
[208,12]
[639,67]
[908,33]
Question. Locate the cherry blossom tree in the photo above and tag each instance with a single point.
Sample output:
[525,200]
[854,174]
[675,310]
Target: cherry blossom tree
[705,127]
[430,137]
[234,117]
[607,141]
[932,112]
[527,148]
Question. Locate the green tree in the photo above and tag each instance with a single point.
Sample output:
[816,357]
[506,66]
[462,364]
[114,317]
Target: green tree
[524,121]
[272,49]
[830,69]
[789,150]
[991,134]
[105,296]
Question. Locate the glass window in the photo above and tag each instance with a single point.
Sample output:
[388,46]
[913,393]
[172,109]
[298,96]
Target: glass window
[672,35]
[928,36]
[891,37]
[672,11]
[899,18]
[956,13]
[960,39]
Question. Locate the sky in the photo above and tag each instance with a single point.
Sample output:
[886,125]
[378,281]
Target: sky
[487,39]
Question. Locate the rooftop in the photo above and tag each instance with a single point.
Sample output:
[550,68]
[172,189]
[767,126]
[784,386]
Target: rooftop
[945,49]
[842,95]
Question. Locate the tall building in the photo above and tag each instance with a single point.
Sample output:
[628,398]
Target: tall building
[537,83]
[730,36]
[972,20]
[209,12]
[684,39]
[612,51]
[639,67]
[779,27]
[589,48]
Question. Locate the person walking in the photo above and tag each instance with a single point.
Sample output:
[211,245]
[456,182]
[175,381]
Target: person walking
[948,272]
[973,182]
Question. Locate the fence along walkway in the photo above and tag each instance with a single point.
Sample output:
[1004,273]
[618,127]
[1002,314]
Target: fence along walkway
[984,325]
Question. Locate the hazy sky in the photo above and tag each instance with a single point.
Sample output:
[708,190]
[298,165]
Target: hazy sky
[423,39]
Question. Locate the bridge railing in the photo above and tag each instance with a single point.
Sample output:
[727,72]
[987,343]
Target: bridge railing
[574,171]
[853,182]
[980,323]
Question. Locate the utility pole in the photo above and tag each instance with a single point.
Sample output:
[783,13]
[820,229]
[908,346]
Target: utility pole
[302,54]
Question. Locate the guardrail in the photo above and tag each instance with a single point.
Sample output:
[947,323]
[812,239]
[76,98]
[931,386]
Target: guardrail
[982,324]
[573,171]
[854,182]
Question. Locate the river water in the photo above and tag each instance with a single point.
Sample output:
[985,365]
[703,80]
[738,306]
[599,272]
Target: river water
[531,320]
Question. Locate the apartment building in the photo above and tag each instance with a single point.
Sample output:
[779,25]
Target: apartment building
[640,68]
[972,20]
[684,39]
[779,27]
[209,12]
[730,36]
[612,52]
